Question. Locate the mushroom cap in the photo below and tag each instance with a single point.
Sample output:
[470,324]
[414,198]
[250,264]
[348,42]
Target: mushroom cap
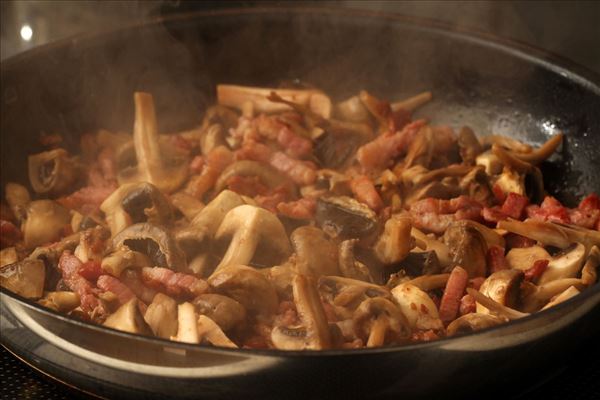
[473,322]
[25,278]
[45,222]
[224,311]
[418,308]
[250,234]
[567,264]
[503,287]
[523,257]
[467,247]
[52,171]
[161,316]
[345,218]
[315,251]
[155,242]
[371,312]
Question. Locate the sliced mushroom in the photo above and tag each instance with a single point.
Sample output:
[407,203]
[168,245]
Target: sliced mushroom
[507,142]
[266,173]
[469,146]
[128,318]
[187,324]
[345,218]
[476,185]
[62,302]
[441,249]
[161,316]
[349,293]
[252,234]
[379,321]
[164,173]
[542,153]
[247,286]
[412,103]
[238,96]
[589,273]
[222,115]
[123,258]
[213,136]
[523,257]
[494,306]
[534,297]
[210,332]
[52,172]
[281,277]
[395,242]
[45,222]
[564,265]
[8,255]
[503,287]
[135,203]
[18,198]
[90,244]
[316,255]
[421,263]
[473,322]
[187,204]
[491,163]
[25,278]
[313,333]
[154,242]
[572,291]
[349,265]
[468,248]
[223,310]
[418,308]
[552,234]
[81,222]
[352,110]
[430,282]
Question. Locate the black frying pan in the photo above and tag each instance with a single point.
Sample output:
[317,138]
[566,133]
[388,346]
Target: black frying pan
[80,85]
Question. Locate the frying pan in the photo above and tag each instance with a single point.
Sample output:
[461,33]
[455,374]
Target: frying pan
[79,85]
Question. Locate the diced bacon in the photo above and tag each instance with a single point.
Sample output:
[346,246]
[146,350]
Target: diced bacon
[378,153]
[493,214]
[132,278]
[495,259]
[584,218]
[467,304]
[271,198]
[435,215]
[197,164]
[253,150]
[303,208]
[517,241]
[9,234]
[498,193]
[216,161]
[250,186]
[590,202]
[87,199]
[536,270]
[111,284]
[365,192]
[90,270]
[301,172]
[455,288]
[476,282]
[69,266]
[294,145]
[549,210]
[422,336]
[514,205]
[174,283]
[268,127]
[398,119]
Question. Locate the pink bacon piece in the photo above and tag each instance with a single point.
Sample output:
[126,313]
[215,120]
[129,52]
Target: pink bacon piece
[69,266]
[435,215]
[455,288]
[301,172]
[365,192]
[111,284]
[174,283]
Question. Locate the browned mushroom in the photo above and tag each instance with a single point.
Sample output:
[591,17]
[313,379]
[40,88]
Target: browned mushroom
[395,242]
[418,308]
[161,316]
[378,321]
[223,310]
[128,318]
[45,222]
[503,287]
[468,248]
[469,146]
[63,302]
[316,255]
[349,266]
[345,218]
[25,278]
[473,322]
[18,198]
[52,172]
[209,331]
[552,234]
[412,103]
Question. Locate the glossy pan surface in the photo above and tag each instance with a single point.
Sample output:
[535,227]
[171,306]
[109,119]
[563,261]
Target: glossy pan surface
[81,85]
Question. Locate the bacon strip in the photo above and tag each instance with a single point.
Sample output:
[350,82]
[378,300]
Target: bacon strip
[467,304]
[301,172]
[435,215]
[174,283]
[495,259]
[87,199]
[365,192]
[536,270]
[9,234]
[216,161]
[294,145]
[111,284]
[69,266]
[455,288]
[303,208]
[90,270]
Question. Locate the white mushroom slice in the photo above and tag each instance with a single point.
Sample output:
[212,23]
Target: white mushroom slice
[511,181]
[494,306]
[490,235]
[252,233]
[534,297]
[503,287]
[87,249]
[378,320]
[564,296]
[124,258]
[524,257]
[412,103]
[161,316]
[25,278]
[128,319]
[187,327]
[45,222]
[60,301]
[417,307]
[187,204]
[8,256]
[589,273]
[237,96]
[430,282]
[395,242]
[209,331]
[565,265]
[441,250]
[17,196]
[491,163]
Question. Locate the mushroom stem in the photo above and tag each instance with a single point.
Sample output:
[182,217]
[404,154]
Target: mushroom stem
[509,160]
[552,234]
[546,150]
[412,103]
[430,282]
[145,134]
[311,312]
[378,331]
[495,306]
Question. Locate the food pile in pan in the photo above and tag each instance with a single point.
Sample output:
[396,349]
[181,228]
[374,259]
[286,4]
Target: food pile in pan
[287,221]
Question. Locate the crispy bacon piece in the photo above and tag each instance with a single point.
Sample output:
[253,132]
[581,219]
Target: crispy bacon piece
[294,145]
[590,202]
[435,215]
[197,164]
[455,288]
[69,265]
[174,283]
[271,198]
[87,199]
[379,153]
[301,172]
[216,161]
[467,304]
[536,270]
[303,208]
[365,192]
[495,259]
[90,270]
[514,205]
[250,186]
[253,150]
[549,210]
[9,234]
[111,284]
[585,215]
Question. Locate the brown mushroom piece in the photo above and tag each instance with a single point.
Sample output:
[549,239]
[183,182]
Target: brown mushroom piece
[248,287]
[476,185]
[394,244]
[167,174]
[18,198]
[224,311]
[473,322]
[266,173]
[250,234]
[589,272]
[468,145]
[566,264]
[122,258]
[534,297]
[136,203]
[353,110]
[441,250]
[468,248]
[489,161]
[161,316]
[418,308]
[281,277]
[45,222]
[346,294]
[378,321]
[507,142]
[430,282]
[187,205]
[543,152]
[209,331]
[503,287]
[25,278]
[187,324]
[421,263]
[128,318]
[52,172]
[316,255]
[495,307]
[572,291]
[212,137]
[413,102]
[523,257]
[552,234]
[344,218]
[60,301]
[155,242]
[313,332]
[8,255]
[350,267]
